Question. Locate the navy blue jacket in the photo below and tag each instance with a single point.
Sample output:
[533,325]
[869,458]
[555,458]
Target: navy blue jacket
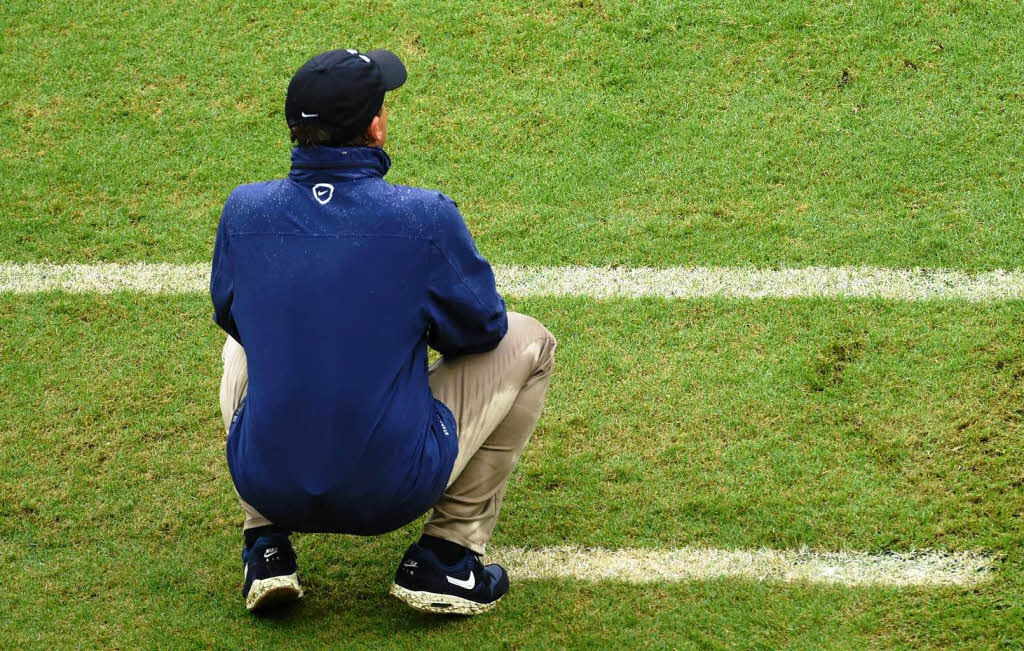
[335,282]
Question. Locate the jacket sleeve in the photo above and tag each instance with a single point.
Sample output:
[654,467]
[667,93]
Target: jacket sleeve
[466,312]
[222,288]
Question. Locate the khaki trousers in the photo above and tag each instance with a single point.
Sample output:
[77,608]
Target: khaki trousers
[496,398]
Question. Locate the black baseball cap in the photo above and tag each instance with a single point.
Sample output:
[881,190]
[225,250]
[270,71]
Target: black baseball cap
[343,89]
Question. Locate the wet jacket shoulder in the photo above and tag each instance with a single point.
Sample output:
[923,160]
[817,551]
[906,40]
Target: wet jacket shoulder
[465,311]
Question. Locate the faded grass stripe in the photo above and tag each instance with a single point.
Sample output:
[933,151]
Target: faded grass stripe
[595,282]
[850,568]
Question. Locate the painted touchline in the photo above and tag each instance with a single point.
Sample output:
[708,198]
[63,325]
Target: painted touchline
[647,565]
[595,282]
[852,568]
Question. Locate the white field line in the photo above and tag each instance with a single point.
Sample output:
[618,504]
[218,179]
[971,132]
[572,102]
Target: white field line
[595,282]
[638,565]
[796,566]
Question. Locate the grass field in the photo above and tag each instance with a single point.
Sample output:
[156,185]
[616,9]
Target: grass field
[792,133]
[584,132]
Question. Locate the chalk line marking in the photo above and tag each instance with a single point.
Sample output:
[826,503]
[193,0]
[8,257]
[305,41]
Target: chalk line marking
[645,565]
[594,282]
[851,568]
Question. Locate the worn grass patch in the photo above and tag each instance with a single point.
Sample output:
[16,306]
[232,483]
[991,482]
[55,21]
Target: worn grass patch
[669,424]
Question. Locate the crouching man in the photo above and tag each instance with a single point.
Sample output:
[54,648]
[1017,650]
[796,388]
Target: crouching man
[330,284]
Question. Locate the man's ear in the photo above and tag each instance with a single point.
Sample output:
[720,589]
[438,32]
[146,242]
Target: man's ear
[375,132]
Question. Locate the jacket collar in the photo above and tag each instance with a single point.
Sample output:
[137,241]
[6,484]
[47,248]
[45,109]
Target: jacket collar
[311,164]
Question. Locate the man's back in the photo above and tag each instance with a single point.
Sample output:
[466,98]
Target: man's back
[333,281]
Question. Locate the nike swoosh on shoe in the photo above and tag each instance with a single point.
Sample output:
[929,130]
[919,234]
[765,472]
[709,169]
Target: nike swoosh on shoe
[463,583]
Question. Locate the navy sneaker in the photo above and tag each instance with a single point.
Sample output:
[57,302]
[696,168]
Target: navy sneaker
[468,587]
[271,574]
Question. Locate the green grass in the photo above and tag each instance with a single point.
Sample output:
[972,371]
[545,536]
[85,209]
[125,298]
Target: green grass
[837,425]
[612,132]
[570,132]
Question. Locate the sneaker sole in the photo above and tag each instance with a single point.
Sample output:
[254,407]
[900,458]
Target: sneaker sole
[275,590]
[439,604]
